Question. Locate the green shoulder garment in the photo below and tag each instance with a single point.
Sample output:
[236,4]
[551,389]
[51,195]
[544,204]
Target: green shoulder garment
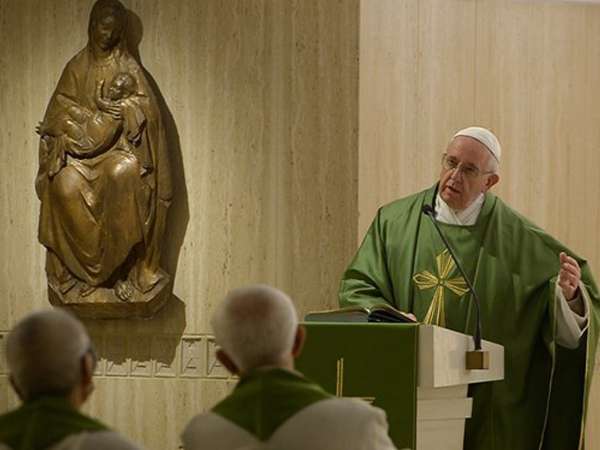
[264,399]
[402,261]
[43,422]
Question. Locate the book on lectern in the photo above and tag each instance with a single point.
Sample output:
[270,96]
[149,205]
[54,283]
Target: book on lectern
[378,313]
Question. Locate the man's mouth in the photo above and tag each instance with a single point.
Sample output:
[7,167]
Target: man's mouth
[452,189]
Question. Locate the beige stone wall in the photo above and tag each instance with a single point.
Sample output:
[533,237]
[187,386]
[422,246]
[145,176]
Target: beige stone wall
[264,99]
[526,69]
[274,183]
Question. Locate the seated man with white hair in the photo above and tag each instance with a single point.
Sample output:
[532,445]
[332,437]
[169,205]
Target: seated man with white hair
[51,362]
[273,406]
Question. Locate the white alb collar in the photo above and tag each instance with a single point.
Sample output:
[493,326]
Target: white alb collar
[467,216]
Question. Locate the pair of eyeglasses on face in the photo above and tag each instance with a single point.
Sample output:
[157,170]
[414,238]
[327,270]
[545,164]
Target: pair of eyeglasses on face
[468,170]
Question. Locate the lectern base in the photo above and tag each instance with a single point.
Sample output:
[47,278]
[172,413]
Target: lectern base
[441,415]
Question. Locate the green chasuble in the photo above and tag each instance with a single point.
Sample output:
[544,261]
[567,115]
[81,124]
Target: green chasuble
[265,398]
[43,422]
[402,261]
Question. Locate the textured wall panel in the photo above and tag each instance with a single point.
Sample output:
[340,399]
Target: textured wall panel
[262,100]
[527,69]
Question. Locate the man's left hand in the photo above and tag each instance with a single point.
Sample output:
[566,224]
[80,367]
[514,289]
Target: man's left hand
[569,276]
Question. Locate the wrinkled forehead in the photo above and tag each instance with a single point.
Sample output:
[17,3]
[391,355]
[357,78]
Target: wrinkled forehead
[468,149]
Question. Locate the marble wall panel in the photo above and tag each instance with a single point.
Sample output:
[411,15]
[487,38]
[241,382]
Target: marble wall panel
[262,119]
[525,69]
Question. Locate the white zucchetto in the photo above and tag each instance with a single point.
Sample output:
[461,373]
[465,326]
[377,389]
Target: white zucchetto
[486,137]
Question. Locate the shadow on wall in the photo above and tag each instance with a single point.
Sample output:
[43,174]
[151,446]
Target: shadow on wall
[179,214]
[139,347]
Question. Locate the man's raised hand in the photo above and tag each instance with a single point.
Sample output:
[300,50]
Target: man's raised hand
[569,276]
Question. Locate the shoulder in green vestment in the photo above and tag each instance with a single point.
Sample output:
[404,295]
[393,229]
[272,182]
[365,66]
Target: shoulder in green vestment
[517,271]
[43,422]
[264,399]
[368,280]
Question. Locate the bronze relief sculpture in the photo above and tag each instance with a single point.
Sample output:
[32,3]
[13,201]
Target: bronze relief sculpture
[104,181]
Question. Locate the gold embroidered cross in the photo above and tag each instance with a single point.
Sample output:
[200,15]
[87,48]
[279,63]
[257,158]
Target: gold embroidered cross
[441,282]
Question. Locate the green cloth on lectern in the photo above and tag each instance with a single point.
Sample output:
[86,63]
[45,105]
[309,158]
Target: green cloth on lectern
[376,362]
[513,264]
[265,398]
[45,421]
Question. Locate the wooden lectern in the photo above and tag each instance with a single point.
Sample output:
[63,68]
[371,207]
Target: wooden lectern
[416,373]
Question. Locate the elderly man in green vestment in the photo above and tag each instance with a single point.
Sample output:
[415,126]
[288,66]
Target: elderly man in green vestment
[539,300]
[50,361]
[273,406]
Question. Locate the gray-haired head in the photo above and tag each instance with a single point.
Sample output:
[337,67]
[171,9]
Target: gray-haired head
[256,326]
[44,353]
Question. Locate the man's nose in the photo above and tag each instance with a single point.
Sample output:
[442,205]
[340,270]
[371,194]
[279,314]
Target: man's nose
[456,173]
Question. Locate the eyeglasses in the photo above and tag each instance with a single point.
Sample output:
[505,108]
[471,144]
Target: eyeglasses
[469,170]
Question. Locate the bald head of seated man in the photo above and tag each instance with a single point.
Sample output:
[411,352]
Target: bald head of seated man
[273,406]
[50,363]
